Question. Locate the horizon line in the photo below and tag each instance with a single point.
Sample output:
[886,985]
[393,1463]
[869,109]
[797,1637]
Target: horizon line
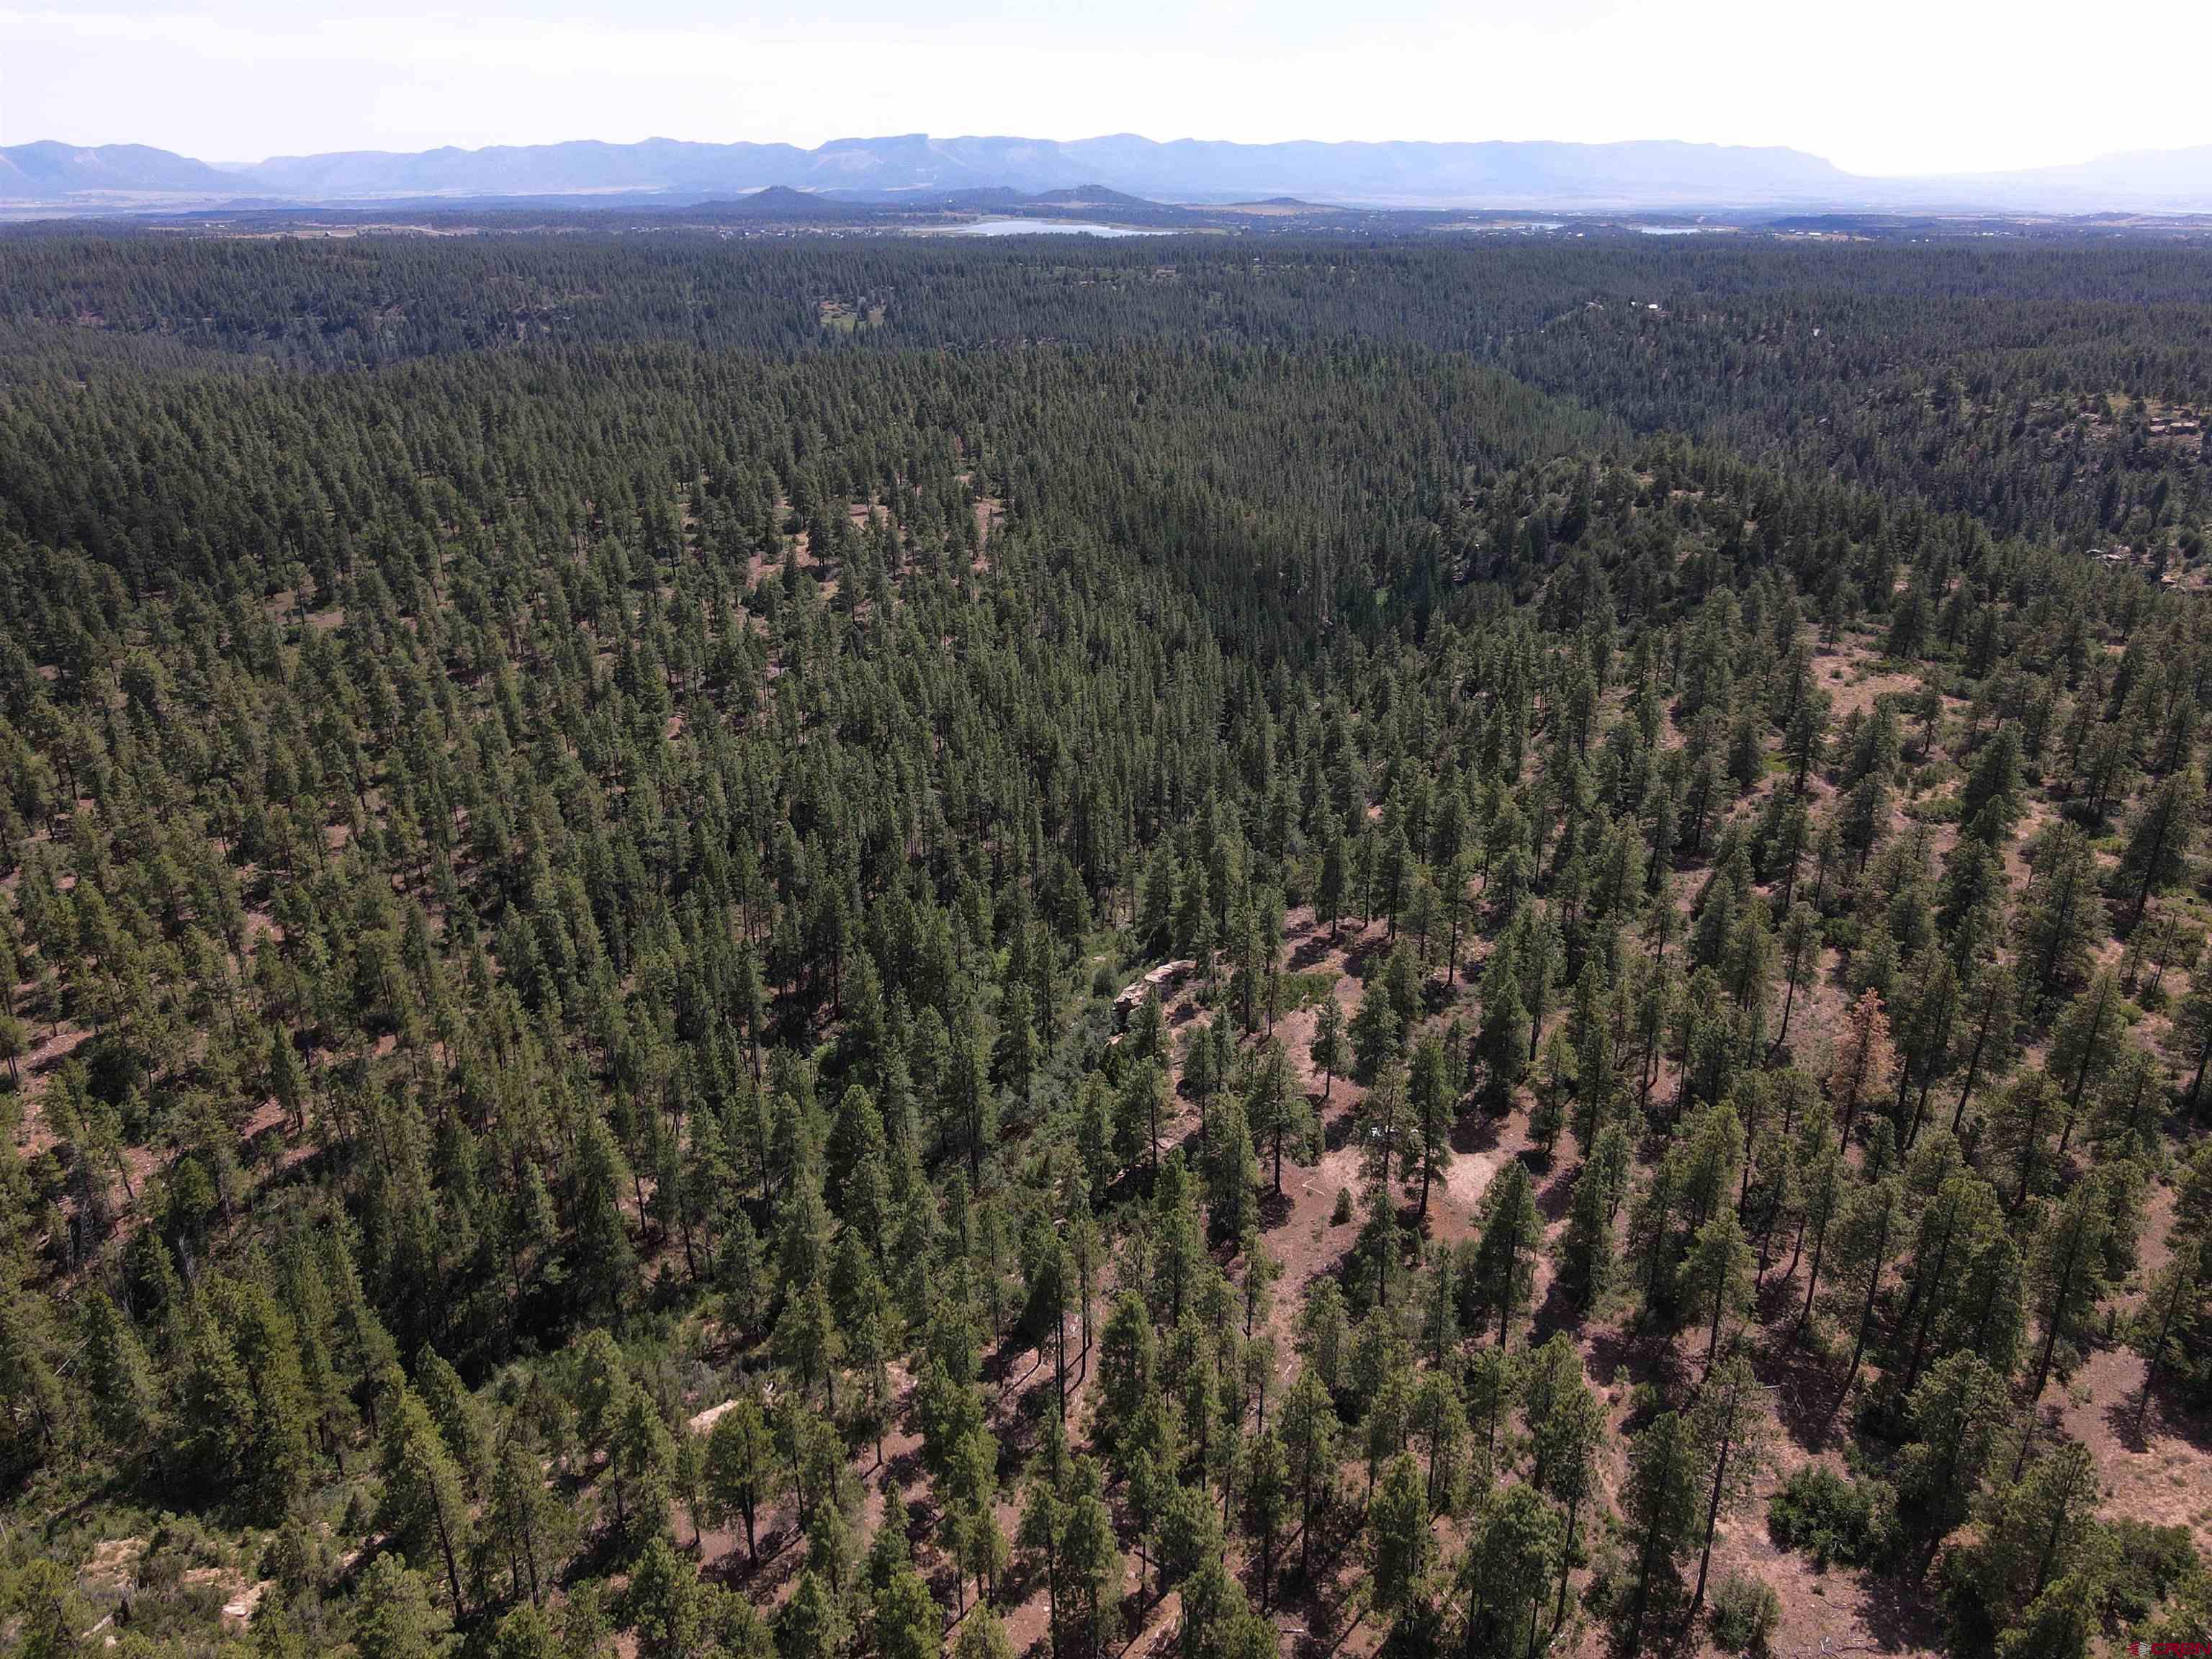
[1240,144]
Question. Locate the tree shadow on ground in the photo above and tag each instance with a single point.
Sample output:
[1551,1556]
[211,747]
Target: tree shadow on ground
[1557,1196]
[2170,1414]
[1804,1391]
[1475,1132]
[1643,1358]
[1897,1614]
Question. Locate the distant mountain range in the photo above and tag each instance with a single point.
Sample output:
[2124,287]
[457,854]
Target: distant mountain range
[48,172]
[1661,175]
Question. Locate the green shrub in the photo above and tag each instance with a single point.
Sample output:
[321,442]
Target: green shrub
[2149,1562]
[1743,1614]
[1297,991]
[1342,1212]
[1831,1519]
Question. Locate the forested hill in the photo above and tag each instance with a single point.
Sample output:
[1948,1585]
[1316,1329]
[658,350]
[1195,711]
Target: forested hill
[2025,384]
[843,948]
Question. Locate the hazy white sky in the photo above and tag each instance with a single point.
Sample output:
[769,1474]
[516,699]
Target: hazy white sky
[1877,85]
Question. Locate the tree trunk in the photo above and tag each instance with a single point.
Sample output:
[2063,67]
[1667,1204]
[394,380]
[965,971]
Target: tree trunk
[1712,1526]
[1858,1348]
[2043,1365]
[1927,1310]
[453,1566]
[1566,1567]
[2150,1361]
[1974,1060]
[1812,1280]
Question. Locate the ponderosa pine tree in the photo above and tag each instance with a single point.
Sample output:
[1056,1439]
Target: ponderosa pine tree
[1504,1267]
[1717,1276]
[2168,1317]
[2066,1277]
[1429,1103]
[423,1508]
[1513,1554]
[1661,1501]
[1870,1232]
[739,1468]
[1309,1439]
[1732,1430]
[1329,1052]
[1399,1546]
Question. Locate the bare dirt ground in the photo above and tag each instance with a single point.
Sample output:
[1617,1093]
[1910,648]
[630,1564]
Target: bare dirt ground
[989,510]
[1854,686]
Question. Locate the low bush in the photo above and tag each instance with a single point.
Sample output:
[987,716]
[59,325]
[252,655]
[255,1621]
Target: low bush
[1821,1514]
[1743,1614]
[2149,1562]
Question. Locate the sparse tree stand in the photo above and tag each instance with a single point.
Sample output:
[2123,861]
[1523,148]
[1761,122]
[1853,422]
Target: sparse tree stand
[641,884]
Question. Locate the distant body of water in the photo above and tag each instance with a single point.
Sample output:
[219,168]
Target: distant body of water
[1047,227]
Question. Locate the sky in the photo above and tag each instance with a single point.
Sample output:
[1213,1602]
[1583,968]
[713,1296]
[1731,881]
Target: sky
[1883,87]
